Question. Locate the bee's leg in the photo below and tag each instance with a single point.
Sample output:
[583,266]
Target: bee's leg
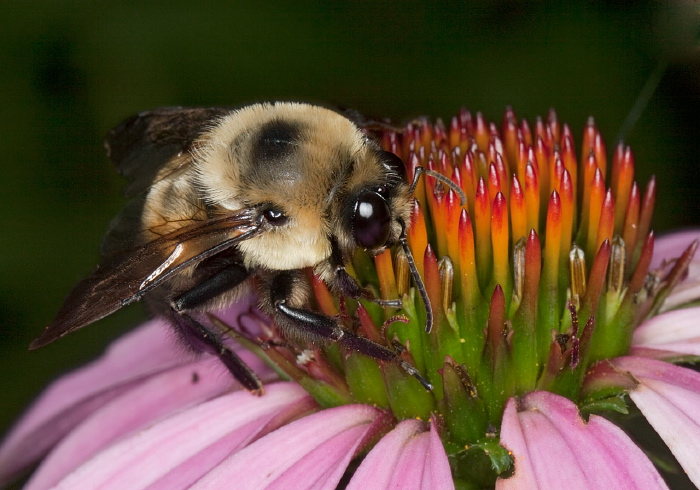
[365,346]
[205,339]
[348,285]
[217,283]
[314,326]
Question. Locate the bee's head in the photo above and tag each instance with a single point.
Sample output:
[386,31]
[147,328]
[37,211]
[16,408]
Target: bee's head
[380,212]
[378,209]
[314,174]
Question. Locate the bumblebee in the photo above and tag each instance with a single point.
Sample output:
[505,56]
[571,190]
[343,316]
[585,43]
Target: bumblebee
[225,199]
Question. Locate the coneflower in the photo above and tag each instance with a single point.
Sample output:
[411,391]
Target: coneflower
[553,303]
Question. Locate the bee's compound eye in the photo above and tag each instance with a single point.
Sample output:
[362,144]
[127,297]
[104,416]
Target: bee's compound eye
[275,217]
[371,221]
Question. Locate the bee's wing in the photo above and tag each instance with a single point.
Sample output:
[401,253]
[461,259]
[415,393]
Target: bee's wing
[142,145]
[146,148]
[124,277]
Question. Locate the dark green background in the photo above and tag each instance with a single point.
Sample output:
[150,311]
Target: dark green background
[71,70]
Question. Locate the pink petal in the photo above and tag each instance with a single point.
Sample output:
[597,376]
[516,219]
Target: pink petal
[549,462]
[688,290]
[513,438]
[312,452]
[669,397]
[410,467]
[672,245]
[407,457]
[553,447]
[676,331]
[437,469]
[380,464]
[142,352]
[223,424]
[190,471]
[153,399]
[669,247]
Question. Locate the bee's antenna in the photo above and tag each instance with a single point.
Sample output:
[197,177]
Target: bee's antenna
[409,256]
[417,279]
[441,178]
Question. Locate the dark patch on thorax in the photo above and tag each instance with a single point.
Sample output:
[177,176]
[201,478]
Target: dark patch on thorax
[276,142]
[276,157]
